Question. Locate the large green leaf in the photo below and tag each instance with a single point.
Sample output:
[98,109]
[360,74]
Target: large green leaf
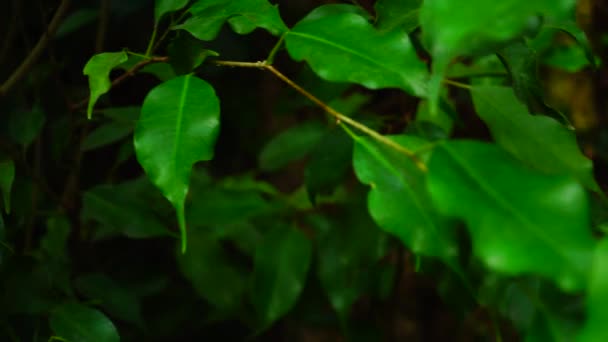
[597,297]
[76,322]
[341,45]
[398,200]
[243,15]
[521,221]
[98,69]
[538,140]
[392,14]
[280,267]
[179,125]
[162,7]
[7,176]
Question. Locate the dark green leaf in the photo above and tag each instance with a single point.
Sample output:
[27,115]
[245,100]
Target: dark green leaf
[98,69]
[105,135]
[571,28]
[392,14]
[24,126]
[597,297]
[76,322]
[539,141]
[290,145]
[162,7]
[179,125]
[280,268]
[54,242]
[568,58]
[341,45]
[76,21]
[520,221]
[7,176]
[187,53]
[243,15]
[398,200]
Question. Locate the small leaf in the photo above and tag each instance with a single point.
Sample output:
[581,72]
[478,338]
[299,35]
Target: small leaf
[392,14]
[76,322]
[325,39]
[520,221]
[597,297]
[162,7]
[7,176]
[244,16]
[179,125]
[98,69]
[290,145]
[280,267]
[538,140]
[398,200]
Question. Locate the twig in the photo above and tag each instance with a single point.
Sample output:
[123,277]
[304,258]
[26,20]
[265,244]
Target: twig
[337,115]
[102,25]
[32,58]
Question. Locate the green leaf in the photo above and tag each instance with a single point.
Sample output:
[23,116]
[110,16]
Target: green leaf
[290,145]
[116,300]
[162,7]
[187,53]
[162,71]
[392,14]
[106,134]
[539,141]
[76,21]
[212,273]
[76,322]
[569,58]
[98,69]
[54,242]
[280,268]
[7,176]
[179,125]
[597,297]
[24,126]
[398,200]
[244,16]
[571,28]
[520,221]
[341,45]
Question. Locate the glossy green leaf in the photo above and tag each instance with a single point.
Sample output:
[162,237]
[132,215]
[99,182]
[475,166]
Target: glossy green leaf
[538,140]
[398,200]
[341,45]
[179,125]
[280,268]
[521,221]
[116,300]
[392,14]
[23,127]
[76,322]
[162,7]
[106,134]
[244,16]
[7,176]
[212,273]
[290,145]
[98,69]
[597,297]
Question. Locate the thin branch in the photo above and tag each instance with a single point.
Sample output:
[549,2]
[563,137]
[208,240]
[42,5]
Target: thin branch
[32,58]
[102,25]
[457,84]
[131,72]
[275,49]
[337,115]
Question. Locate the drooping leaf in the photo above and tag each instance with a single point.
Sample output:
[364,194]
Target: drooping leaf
[76,322]
[597,297]
[290,145]
[521,221]
[398,200]
[24,126]
[212,273]
[341,45]
[7,176]
[116,300]
[98,69]
[179,125]
[280,267]
[162,7]
[538,140]
[392,14]
[244,16]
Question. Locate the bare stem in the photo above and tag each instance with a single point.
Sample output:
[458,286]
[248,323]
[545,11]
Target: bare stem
[337,115]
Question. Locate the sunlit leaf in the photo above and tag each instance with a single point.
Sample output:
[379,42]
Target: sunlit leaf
[520,221]
[341,45]
[179,125]
[76,322]
[98,69]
